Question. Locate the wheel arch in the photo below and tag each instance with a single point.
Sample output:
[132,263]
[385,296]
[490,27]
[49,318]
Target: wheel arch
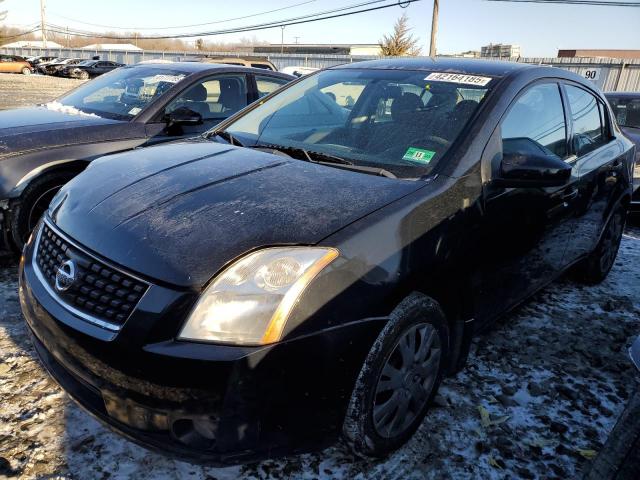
[453,295]
[46,169]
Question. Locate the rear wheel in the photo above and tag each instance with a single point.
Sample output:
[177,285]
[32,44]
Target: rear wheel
[595,268]
[34,203]
[26,71]
[399,378]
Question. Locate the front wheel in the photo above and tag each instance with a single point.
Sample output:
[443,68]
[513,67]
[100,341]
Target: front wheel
[26,71]
[595,268]
[34,203]
[84,75]
[399,378]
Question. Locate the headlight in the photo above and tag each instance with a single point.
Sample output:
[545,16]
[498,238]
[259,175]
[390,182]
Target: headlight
[250,301]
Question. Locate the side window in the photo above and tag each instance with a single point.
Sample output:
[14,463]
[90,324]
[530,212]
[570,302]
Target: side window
[214,98]
[267,85]
[535,123]
[345,94]
[588,130]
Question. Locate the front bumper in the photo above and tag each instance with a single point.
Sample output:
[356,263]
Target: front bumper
[207,403]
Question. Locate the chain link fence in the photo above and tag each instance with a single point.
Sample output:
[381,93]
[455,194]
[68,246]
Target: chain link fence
[610,74]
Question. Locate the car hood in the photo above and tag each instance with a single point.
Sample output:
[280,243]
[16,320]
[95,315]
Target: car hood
[179,212]
[26,129]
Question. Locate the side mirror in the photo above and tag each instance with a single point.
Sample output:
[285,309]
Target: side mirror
[183,116]
[531,165]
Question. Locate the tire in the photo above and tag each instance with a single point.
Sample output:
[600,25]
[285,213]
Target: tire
[595,268]
[26,71]
[33,203]
[83,75]
[393,390]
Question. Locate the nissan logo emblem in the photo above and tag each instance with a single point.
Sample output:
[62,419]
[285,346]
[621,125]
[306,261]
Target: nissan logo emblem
[65,276]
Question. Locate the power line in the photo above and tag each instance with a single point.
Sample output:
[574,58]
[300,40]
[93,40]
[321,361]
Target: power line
[600,3]
[192,25]
[319,16]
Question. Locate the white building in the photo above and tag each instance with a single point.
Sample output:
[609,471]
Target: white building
[128,47]
[31,44]
[500,50]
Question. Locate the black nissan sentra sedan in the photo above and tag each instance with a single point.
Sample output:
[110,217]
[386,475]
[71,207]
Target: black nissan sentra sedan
[316,264]
[43,147]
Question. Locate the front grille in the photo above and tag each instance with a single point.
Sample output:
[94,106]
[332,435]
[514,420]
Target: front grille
[99,291]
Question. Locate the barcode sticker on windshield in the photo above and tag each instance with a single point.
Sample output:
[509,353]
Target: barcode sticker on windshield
[458,78]
[418,155]
[165,78]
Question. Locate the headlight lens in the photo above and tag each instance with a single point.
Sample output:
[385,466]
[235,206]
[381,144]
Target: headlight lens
[250,301]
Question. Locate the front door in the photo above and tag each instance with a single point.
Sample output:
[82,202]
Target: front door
[215,98]
[526,230]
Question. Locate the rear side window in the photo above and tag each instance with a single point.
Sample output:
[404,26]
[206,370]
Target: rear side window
[588,127]
[535,123]
[267,85]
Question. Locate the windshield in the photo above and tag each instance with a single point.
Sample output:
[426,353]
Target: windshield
[123,93]
[626,110]
[401,121]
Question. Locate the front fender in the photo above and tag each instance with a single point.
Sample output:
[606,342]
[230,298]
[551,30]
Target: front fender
[19,169]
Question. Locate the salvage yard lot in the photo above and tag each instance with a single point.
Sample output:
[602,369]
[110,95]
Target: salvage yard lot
[20,90]
[541,392]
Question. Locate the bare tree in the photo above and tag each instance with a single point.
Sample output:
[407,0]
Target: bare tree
[3,14]
[401,42]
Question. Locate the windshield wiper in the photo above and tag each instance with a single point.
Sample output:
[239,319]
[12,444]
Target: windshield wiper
[326,159]
[228,137]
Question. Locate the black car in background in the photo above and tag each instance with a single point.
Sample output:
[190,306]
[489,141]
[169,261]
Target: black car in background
[43,147]
[626,109]
[316,264]
[89,69]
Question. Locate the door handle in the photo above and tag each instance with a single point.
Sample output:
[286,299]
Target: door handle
[570,195]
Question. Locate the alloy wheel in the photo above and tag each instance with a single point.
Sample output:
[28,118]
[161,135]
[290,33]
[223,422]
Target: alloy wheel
[407,379]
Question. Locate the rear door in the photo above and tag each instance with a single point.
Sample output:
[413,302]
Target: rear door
[600,163]
[523,238]
[263,85]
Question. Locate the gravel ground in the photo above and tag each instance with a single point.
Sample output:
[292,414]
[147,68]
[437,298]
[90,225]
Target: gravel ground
[542,391]
[19,90]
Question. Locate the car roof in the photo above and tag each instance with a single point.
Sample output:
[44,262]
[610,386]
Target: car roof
[494,68]
[623,94]
[193,67]
[198,67]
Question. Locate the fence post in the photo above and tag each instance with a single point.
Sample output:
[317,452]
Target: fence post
[624,63]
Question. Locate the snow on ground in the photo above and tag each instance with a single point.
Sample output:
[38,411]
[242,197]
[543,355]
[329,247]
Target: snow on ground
[541,393]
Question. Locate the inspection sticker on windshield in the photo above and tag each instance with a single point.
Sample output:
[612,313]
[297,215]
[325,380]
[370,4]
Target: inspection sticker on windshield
[135,111]
[458,78]
[418,155]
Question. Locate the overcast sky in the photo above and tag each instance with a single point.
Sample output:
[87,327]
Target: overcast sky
[464,24]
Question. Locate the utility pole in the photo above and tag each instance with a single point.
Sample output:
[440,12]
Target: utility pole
[68,41]
[282,39]
[434,28]
[43,23]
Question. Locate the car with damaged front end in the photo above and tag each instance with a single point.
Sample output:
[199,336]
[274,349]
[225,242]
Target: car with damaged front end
[43,147]
[316,264]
